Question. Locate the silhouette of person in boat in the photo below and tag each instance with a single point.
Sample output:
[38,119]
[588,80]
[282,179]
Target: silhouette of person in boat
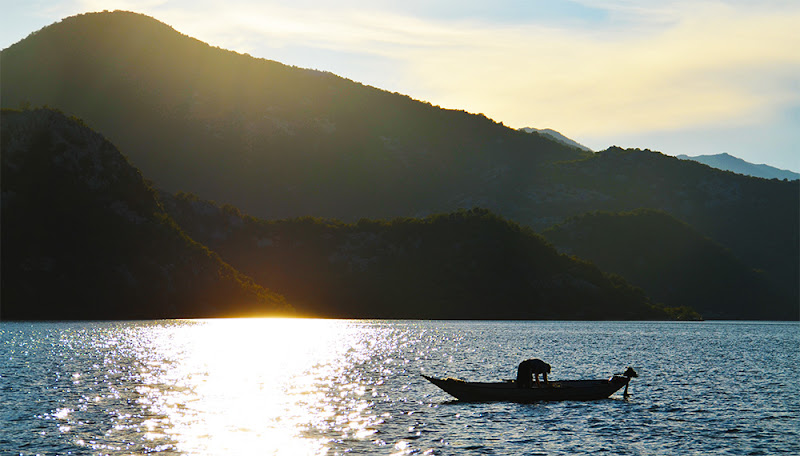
[528,368]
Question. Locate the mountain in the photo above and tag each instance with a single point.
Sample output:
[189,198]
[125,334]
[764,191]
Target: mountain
[556,136]
[673,264]
[276,141]
[280,142]
[85,237]
[737,165]
[466,265]
[757,219]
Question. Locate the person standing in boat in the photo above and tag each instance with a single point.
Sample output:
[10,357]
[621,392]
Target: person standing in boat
[530,367]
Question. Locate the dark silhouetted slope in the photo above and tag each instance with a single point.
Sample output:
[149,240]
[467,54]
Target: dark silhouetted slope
[468,264]
[84,236]
[757,219]
[673,263]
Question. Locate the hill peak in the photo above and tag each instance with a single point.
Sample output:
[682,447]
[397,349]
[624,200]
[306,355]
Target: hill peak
[728,162]
[275,140]
[549,132]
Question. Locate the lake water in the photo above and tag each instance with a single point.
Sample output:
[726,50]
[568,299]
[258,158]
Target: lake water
[297,387]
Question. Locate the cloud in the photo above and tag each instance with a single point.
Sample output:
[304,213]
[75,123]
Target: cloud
[713,67]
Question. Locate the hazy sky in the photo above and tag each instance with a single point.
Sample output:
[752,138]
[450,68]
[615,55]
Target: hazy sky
[679,76]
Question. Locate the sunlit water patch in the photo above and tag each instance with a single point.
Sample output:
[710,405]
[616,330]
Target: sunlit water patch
[307,387]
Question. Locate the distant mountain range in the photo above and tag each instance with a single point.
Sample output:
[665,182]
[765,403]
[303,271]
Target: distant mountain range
[85,237]
[556,136]
[278,141]
[737,165]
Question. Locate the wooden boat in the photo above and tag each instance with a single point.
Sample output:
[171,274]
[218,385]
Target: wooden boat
[563,390]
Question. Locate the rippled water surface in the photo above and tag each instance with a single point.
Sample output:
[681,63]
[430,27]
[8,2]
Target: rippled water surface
[295,387]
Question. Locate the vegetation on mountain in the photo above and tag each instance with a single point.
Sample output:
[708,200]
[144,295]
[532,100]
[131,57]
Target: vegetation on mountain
[673,264]
[276,141]
[279,142]
[757,219]
[469,264]
[85,237]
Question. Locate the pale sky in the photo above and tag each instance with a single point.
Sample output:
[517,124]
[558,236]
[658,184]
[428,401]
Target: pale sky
[678,76]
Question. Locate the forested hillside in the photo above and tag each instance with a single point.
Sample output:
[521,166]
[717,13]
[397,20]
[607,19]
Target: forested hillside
[673,264]
[85,237]
[466,264]
[276,141]
[280,141]
[757,219]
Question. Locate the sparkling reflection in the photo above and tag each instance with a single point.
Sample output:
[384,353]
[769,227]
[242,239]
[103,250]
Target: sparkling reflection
[257,385]
[308,387]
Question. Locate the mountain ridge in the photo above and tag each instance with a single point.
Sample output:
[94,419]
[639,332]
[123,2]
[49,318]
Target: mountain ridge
[344,141]
[85,237]
[556,136]
[727,162]
[283,142]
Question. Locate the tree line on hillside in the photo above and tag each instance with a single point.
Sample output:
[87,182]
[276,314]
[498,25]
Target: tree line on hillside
[674,264]
[130,246]
[469,264]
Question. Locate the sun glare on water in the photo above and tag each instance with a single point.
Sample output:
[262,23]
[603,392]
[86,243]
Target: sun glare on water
[335,387]
[251,386]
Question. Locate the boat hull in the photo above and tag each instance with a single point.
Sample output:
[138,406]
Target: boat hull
[565,390]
